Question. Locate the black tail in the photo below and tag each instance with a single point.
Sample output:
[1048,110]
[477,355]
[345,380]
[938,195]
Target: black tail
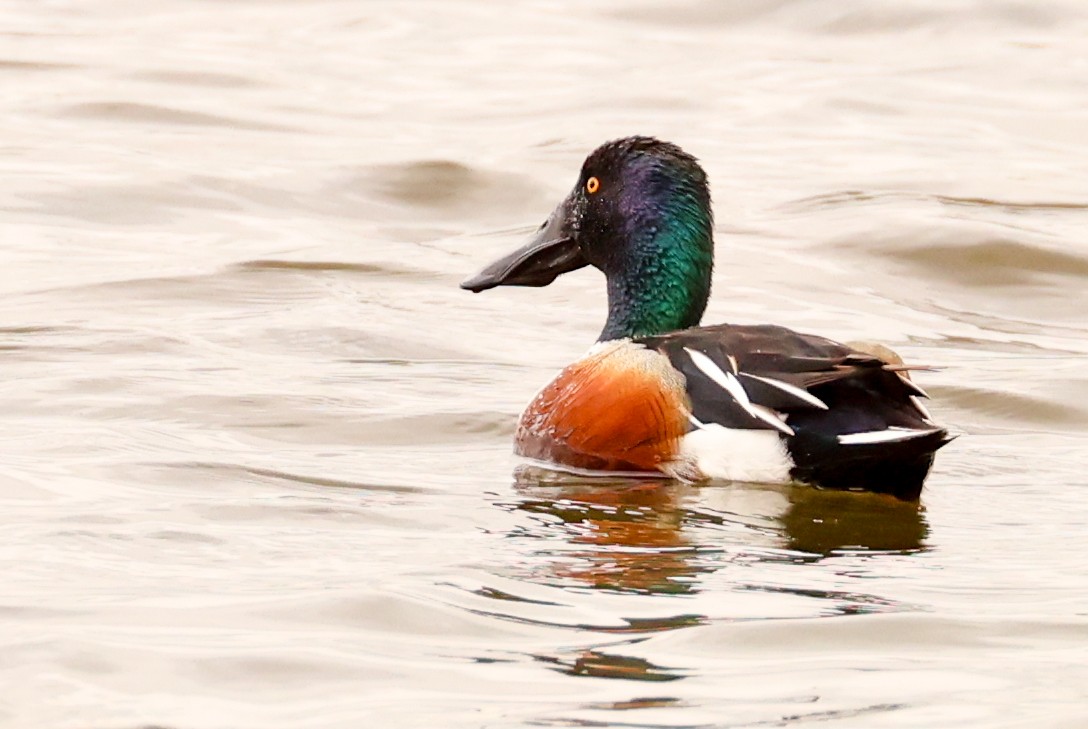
[898,468]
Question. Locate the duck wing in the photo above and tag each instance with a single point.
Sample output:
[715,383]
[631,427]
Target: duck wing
[848,418]
[737,376]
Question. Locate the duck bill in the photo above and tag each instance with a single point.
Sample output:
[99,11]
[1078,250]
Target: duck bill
[550,253]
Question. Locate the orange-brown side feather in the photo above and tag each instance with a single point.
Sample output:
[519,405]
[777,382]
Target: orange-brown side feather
[621,408]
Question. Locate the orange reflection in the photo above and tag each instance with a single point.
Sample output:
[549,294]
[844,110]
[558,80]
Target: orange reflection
[630,530]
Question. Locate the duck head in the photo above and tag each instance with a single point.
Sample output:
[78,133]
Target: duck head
[639,212]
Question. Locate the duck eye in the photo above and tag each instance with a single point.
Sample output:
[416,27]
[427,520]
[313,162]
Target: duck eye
[592,185]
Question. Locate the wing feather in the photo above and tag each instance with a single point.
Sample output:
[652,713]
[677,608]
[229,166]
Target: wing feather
[783,372]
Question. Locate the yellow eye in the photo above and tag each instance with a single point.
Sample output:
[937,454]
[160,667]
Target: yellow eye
[592,185]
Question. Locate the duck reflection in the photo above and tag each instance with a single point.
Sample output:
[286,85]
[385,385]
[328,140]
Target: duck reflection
[626,532]
[827,523]
[657,536]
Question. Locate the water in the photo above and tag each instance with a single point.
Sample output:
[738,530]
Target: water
[257,463]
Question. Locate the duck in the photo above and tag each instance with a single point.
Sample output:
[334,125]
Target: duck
[658,394]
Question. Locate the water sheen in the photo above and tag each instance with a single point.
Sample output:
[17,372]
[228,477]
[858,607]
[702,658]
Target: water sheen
[257,463]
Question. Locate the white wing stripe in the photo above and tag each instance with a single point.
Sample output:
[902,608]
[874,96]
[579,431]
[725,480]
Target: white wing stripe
[770,417]
[917,402]
[911,386]
[732,385]
[891,435]
[737,390]
[786,387]
[726,381]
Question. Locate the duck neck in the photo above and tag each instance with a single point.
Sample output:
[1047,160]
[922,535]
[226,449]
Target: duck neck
[663,282]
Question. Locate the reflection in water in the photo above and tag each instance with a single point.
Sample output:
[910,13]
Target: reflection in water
[626,532]
[661,538]
[610,665]
[826,522]
[655,536]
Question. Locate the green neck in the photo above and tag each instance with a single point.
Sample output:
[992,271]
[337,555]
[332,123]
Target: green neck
[663,283]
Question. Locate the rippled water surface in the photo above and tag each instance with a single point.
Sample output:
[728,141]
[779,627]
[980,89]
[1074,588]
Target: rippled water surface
[256,441]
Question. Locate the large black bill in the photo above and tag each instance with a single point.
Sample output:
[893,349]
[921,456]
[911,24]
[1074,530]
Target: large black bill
[550,253]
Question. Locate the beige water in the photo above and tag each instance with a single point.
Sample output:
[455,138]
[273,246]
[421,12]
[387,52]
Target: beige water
[256,443]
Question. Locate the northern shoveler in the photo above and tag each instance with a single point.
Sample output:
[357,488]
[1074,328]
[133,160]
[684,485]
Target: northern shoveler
[657,393]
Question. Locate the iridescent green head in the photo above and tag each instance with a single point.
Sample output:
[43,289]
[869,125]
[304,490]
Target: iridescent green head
[640,212]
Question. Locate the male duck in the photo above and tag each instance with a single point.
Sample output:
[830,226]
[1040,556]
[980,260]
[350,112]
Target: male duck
[658,393]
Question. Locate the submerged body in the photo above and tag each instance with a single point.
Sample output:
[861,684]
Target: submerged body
[659,394]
